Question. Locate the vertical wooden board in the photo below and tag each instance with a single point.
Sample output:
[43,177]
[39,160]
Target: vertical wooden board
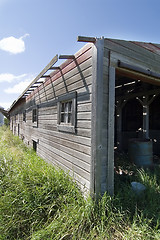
[97,111]
[102,138]
[111,109]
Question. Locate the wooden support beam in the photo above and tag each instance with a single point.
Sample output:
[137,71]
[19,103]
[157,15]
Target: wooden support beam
[45,76]
[66,57]
[30,90]
[49,65]
[138,69]
[34,86]
[54,68]
[145,105]
[138,94]
[40,82]
[86,39]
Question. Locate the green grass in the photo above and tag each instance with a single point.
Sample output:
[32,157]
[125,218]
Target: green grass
[38,202]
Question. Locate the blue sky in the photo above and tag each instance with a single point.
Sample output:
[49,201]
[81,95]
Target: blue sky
[32,32]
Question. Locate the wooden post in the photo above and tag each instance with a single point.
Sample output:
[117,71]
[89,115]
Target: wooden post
[102,138]
[97,111]
[145,106]
[119,125]
[146,121]
[110,137]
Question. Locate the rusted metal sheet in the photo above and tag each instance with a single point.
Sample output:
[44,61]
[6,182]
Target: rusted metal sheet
[155,48]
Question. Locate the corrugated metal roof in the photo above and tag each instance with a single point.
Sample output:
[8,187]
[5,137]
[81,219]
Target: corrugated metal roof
[152,47]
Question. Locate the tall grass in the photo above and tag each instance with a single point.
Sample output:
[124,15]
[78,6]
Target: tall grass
[38,202]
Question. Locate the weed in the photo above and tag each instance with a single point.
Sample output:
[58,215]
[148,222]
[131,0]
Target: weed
[39,202]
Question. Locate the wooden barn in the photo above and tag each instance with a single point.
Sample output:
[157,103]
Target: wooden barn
[75,114]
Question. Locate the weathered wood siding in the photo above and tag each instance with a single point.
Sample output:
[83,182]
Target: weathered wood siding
[132,53]
[72,152]
[102,122]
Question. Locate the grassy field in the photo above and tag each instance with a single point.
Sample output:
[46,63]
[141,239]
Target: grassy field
[38,202]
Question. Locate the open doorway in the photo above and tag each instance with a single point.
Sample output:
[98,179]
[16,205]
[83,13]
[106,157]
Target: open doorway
[136,111]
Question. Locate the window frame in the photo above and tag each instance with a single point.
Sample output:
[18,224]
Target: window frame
[70,126]
[35,117]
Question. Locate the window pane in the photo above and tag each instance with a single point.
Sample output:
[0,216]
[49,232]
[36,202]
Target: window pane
[66,112]
[34,115]
[66,117]
[66,107]
[62,117]
[69,117]
[62,107]
[70,106]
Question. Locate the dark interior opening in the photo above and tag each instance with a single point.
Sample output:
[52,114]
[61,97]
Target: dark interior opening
[132,116]
[35,146]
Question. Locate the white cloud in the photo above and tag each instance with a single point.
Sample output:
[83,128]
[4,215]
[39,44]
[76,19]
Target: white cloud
[8,77]
[18,88]
[13,45]
[21,86]
[5,105]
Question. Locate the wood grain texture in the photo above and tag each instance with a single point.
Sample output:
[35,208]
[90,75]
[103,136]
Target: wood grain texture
[70,151]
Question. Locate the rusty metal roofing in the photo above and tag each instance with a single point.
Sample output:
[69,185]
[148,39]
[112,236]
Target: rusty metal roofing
[152,47]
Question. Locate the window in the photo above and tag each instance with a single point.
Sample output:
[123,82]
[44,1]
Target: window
[67,113]
[35,117]
[24,116]
[18,118]
[35,146]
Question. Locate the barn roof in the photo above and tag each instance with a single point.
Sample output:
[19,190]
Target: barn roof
[152,47]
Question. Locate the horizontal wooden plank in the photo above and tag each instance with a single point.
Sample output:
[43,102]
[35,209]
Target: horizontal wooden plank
[78,70]
[79,77]
[84,116]
[74,138]
[66,160]
[73,64]
[86,107]
[72,163]
[47,121]
[84,132]
[84,124]
[80,180]
[84,158]
[67,143]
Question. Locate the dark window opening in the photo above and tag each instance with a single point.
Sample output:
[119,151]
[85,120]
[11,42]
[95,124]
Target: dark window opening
[34,115]
[24,116]
[35,146]
[18,129]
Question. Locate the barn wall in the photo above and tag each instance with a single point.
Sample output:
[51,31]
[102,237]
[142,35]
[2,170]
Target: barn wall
[70,151]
